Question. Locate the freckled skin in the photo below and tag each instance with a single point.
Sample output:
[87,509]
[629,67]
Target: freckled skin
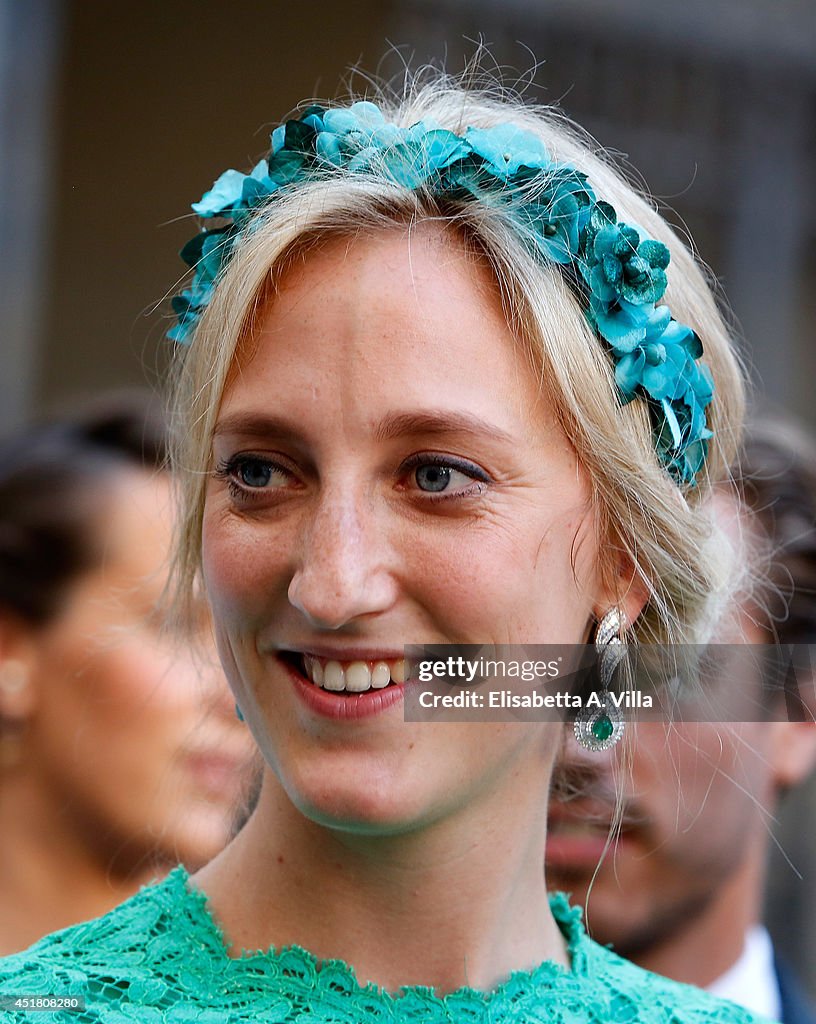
[343,543]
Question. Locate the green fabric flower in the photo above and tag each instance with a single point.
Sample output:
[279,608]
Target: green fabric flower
[506,148]
[621,268]
[560,215]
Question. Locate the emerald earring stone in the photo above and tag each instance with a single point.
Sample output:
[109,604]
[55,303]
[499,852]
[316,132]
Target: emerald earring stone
[602,728]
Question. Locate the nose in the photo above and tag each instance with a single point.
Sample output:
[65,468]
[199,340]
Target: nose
[578,771]
[341,573]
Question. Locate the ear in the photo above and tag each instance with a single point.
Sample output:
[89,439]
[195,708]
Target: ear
[624,589]
[18,696]
[793,752]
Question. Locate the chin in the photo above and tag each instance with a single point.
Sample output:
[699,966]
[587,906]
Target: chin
[195,836]
[197,848]
[362,809]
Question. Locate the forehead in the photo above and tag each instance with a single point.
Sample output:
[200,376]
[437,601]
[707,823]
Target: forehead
[132,532]
[137,527]
[412,307]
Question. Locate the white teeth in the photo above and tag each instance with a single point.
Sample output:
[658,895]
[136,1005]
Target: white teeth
[380,675]
[314,670]
[334,678]
[356,677]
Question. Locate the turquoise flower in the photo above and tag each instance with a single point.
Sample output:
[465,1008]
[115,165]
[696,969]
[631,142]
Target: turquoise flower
[621,267]
[681,446]
[506,147]
[360,116]
[188,307]
[560,215]
[206,253]
[664,366]
[625,326]
[664,370]
[221,198]
[421,156]
[235,193]
[344,132]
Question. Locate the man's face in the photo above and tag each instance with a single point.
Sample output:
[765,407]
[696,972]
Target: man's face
[693,808]
[696,805]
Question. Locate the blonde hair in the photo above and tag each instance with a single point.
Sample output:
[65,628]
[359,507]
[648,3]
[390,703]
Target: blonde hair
[663,531]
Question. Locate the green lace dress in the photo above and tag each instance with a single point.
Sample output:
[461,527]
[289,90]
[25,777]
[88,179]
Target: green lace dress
[160,958]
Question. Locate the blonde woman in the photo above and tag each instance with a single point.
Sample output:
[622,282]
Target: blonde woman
[431,393]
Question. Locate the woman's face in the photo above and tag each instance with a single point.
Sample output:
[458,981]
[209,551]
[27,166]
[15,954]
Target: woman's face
[134,735]
[387,471]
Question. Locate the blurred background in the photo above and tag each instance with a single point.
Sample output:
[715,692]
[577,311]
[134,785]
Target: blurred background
[114,117]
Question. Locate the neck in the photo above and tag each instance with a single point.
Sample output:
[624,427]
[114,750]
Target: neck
[710,942]
[460,910]
[51,875]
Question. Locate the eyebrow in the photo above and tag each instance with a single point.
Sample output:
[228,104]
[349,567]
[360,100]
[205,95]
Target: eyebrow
[395,425]
[440,423]
[257,425]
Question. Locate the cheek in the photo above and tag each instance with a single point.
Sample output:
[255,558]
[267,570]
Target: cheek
[709,782]
[246,569]
[510,581]
[522,571]
[133,700]
[122,708]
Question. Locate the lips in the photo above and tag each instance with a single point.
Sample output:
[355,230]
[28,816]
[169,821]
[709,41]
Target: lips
[576,846]
[217,774]
[579,837]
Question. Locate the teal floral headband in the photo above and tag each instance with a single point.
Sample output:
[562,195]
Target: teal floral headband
[619,274]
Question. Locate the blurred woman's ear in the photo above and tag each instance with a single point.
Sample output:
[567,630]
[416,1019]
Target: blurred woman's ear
[793,753]
[17,690]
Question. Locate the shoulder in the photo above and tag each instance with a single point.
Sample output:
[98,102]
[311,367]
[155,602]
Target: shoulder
[106,962]
[797,1006]
[659,999]
[612,989]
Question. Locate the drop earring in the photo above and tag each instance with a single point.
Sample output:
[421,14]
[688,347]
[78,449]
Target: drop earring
[601,725]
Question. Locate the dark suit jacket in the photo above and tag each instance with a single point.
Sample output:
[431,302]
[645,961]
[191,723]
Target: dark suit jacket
[797,1006]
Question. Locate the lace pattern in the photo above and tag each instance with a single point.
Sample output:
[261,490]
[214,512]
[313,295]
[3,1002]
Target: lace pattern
[160,958]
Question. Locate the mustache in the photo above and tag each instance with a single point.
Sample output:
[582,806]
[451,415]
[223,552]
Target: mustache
[580,791]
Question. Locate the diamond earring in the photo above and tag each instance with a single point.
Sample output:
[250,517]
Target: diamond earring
[600,725]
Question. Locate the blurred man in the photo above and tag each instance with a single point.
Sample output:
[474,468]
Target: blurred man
[679,891]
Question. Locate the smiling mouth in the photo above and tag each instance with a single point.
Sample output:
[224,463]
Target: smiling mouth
[347,677]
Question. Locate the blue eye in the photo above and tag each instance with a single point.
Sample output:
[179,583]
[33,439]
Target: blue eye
[251,473]
[444,476]
[433,478]
[254,472]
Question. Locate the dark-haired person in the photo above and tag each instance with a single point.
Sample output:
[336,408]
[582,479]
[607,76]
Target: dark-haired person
[120,750]
[680,890]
